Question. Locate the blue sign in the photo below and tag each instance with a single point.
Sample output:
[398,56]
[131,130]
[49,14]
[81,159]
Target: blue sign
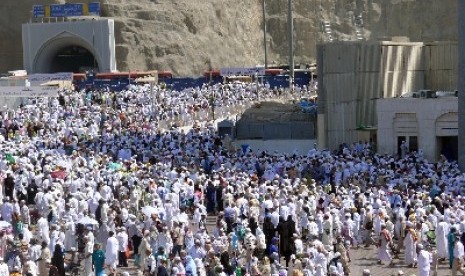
[94,8]
[66,10]
[38,11]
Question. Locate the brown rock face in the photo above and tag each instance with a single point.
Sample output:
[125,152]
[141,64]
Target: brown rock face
[190,36]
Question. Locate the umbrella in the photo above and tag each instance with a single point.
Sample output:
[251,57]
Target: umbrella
[87,221]
[9,157]
[149,210]
[115,166]
[4,224]
[58,174]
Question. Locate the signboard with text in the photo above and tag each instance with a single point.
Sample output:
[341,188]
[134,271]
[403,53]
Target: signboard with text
[38,11]
[93,9]
[242,71]
[40,79]
[65,76]
[34,91]
[66,10]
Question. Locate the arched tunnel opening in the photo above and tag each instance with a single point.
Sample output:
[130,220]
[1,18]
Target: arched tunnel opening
[74,59]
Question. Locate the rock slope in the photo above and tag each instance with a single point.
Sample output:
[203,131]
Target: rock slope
[190,36]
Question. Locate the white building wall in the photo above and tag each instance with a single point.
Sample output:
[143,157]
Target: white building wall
[427,113]
[42,41]
[353,75]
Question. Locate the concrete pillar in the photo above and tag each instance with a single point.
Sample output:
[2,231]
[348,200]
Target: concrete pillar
[461,83]
[322,118]
[321,132]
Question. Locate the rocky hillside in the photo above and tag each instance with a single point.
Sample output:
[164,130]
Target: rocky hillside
[189,36]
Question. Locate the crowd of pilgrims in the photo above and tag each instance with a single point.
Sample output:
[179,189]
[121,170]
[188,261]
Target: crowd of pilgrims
[91,184]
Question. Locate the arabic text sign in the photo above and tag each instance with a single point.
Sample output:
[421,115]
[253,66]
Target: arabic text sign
[66,76]
[68,9]
[35,91]
[242,71]
[93,9]
[38,11]
[65,10]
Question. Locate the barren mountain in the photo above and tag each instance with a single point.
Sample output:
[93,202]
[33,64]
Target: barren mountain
[190,36]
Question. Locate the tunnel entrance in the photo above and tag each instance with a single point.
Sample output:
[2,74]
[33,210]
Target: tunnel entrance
[75,59]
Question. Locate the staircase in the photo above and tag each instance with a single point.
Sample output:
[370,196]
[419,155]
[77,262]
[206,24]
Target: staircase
[327,30]
[358,24]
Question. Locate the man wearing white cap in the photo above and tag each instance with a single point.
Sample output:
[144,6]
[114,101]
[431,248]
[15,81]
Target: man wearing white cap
[424,261]
[111,252]
[458,251]
[410,243]
[384,243]
[441,238]
[30,267]
[122,237]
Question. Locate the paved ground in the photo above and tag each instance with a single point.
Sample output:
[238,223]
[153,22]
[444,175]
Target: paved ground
[366,259]
[362,258]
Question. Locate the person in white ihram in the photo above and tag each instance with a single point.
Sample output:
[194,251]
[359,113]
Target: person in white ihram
[457,264]
[89,249]
[111,252]
[3,268]
[424,261]
[441,238]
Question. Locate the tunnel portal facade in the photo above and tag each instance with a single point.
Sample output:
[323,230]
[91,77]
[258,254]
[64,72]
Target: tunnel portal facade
[76,46]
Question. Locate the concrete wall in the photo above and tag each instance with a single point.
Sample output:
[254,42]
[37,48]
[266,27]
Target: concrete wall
[425,118]
[441,65]
[42,41]
[276,130]
[281,146]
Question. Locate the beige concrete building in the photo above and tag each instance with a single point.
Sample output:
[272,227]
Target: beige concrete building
[352,76]
[71,46]
[427,124]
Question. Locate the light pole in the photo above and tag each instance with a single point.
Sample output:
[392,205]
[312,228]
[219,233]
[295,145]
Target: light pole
[152,94]
[461,84]
[93,43]
[256,85]
[264,33]
[212,104]
[290,23]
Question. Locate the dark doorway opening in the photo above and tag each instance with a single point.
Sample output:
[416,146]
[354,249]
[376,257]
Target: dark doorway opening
[400,139]
[413,143]
[74,59]
[449,147]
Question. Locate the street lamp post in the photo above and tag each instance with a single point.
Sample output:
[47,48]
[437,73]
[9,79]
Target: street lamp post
[290,24]
[152,94]
[212,105]
[93,43]
[461,84]
[256,85]
[264,33]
